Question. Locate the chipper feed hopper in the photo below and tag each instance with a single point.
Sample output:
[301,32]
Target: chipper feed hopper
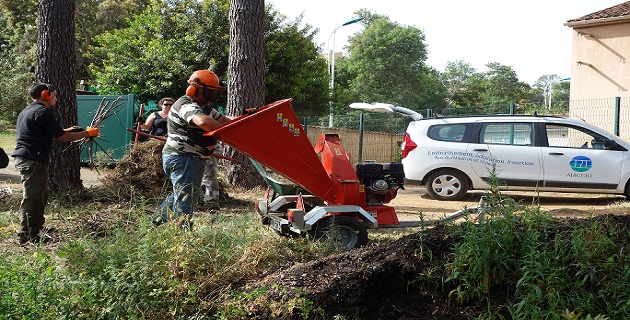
[346,198]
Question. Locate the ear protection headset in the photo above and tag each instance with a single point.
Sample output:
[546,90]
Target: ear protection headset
[203,79]
[47,93]
[192,88]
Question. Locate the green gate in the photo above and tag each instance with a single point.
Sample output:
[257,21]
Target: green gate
[114,139]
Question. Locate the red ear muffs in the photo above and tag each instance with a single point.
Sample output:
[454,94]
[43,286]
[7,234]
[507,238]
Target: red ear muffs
[191,90]
[192,87]
[47,94]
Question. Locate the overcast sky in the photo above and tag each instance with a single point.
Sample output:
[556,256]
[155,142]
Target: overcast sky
[529,36]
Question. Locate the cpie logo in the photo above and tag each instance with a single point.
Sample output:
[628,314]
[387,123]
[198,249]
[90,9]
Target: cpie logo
[581,164]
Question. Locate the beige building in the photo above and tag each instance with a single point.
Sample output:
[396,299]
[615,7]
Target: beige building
[601,54]
[600,69]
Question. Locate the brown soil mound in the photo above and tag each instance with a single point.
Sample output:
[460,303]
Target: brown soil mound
[376,282]
[387,281]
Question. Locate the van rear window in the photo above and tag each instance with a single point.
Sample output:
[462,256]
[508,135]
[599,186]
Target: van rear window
[448,132]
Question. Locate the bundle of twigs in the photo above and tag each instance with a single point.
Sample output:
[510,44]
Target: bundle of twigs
[105,110]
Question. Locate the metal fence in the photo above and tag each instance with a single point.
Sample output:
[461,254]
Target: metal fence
[377,136]
[610,114]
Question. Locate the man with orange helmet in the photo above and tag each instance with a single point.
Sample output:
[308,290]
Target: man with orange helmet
[186,149]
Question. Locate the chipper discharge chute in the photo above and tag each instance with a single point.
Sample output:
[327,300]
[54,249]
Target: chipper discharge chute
[345,198]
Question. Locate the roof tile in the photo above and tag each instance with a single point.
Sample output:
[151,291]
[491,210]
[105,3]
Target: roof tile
[620,10]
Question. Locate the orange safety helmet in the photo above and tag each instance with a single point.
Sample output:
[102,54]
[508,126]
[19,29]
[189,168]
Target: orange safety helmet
[202,79]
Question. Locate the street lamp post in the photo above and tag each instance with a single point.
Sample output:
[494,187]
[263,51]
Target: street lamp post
[551,90]
[331,68]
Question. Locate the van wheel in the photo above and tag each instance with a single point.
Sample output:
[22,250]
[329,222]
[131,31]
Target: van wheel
[447,185]
[343,231]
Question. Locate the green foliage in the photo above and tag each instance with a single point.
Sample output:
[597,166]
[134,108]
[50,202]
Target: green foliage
[489,249]
[95,17]
[13,91]
[545,88]
[118,266]
[18,16]
[30,287]
[149,48]
[458,78]
[166,42]
[294,67]
[17,40]
[387,64]
[502,85]
[580,270]
[466,87]
[113,264]
[169,40]
[298,306]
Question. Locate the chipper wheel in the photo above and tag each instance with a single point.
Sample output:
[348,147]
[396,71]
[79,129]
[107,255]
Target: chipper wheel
[345,231]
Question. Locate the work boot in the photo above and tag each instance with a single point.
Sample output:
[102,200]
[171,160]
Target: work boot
[24,241]
[158,222]
[209,206]
[25,238]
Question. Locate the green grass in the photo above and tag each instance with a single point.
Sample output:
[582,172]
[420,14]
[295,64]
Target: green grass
[7,140]
[111,263]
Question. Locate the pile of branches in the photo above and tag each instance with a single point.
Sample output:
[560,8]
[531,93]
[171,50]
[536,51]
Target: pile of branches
[139,172]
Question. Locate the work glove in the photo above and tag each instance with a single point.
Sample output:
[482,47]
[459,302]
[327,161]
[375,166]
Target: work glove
[74,129]
[250,111]
[139,119]
[92,131]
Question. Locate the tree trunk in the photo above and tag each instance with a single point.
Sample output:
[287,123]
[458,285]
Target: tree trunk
[246,77]
[56,65]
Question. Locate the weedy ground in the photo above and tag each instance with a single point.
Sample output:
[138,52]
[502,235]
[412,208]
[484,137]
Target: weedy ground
[106,260]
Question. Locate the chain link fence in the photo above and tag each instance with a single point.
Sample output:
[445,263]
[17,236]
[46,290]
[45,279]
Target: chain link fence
[395,123]
[377,136]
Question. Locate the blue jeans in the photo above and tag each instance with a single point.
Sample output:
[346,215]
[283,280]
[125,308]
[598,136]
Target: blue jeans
[185,173]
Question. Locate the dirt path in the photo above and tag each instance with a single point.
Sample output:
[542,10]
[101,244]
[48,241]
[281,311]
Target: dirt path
[9,177]
[414,199]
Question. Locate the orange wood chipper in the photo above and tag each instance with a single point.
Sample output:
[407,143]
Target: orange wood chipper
[340,196]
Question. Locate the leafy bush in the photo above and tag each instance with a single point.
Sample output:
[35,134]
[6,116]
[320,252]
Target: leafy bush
[547,272]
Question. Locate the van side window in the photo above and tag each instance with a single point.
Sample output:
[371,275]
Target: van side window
[448,132]
[563,136]
[520,134]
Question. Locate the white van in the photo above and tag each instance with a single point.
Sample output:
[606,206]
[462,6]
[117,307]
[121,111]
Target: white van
[452,155]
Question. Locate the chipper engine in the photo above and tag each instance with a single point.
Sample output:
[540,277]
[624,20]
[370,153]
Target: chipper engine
[341,200]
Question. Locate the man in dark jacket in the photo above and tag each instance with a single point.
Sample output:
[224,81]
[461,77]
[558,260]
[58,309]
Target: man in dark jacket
[36,128]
